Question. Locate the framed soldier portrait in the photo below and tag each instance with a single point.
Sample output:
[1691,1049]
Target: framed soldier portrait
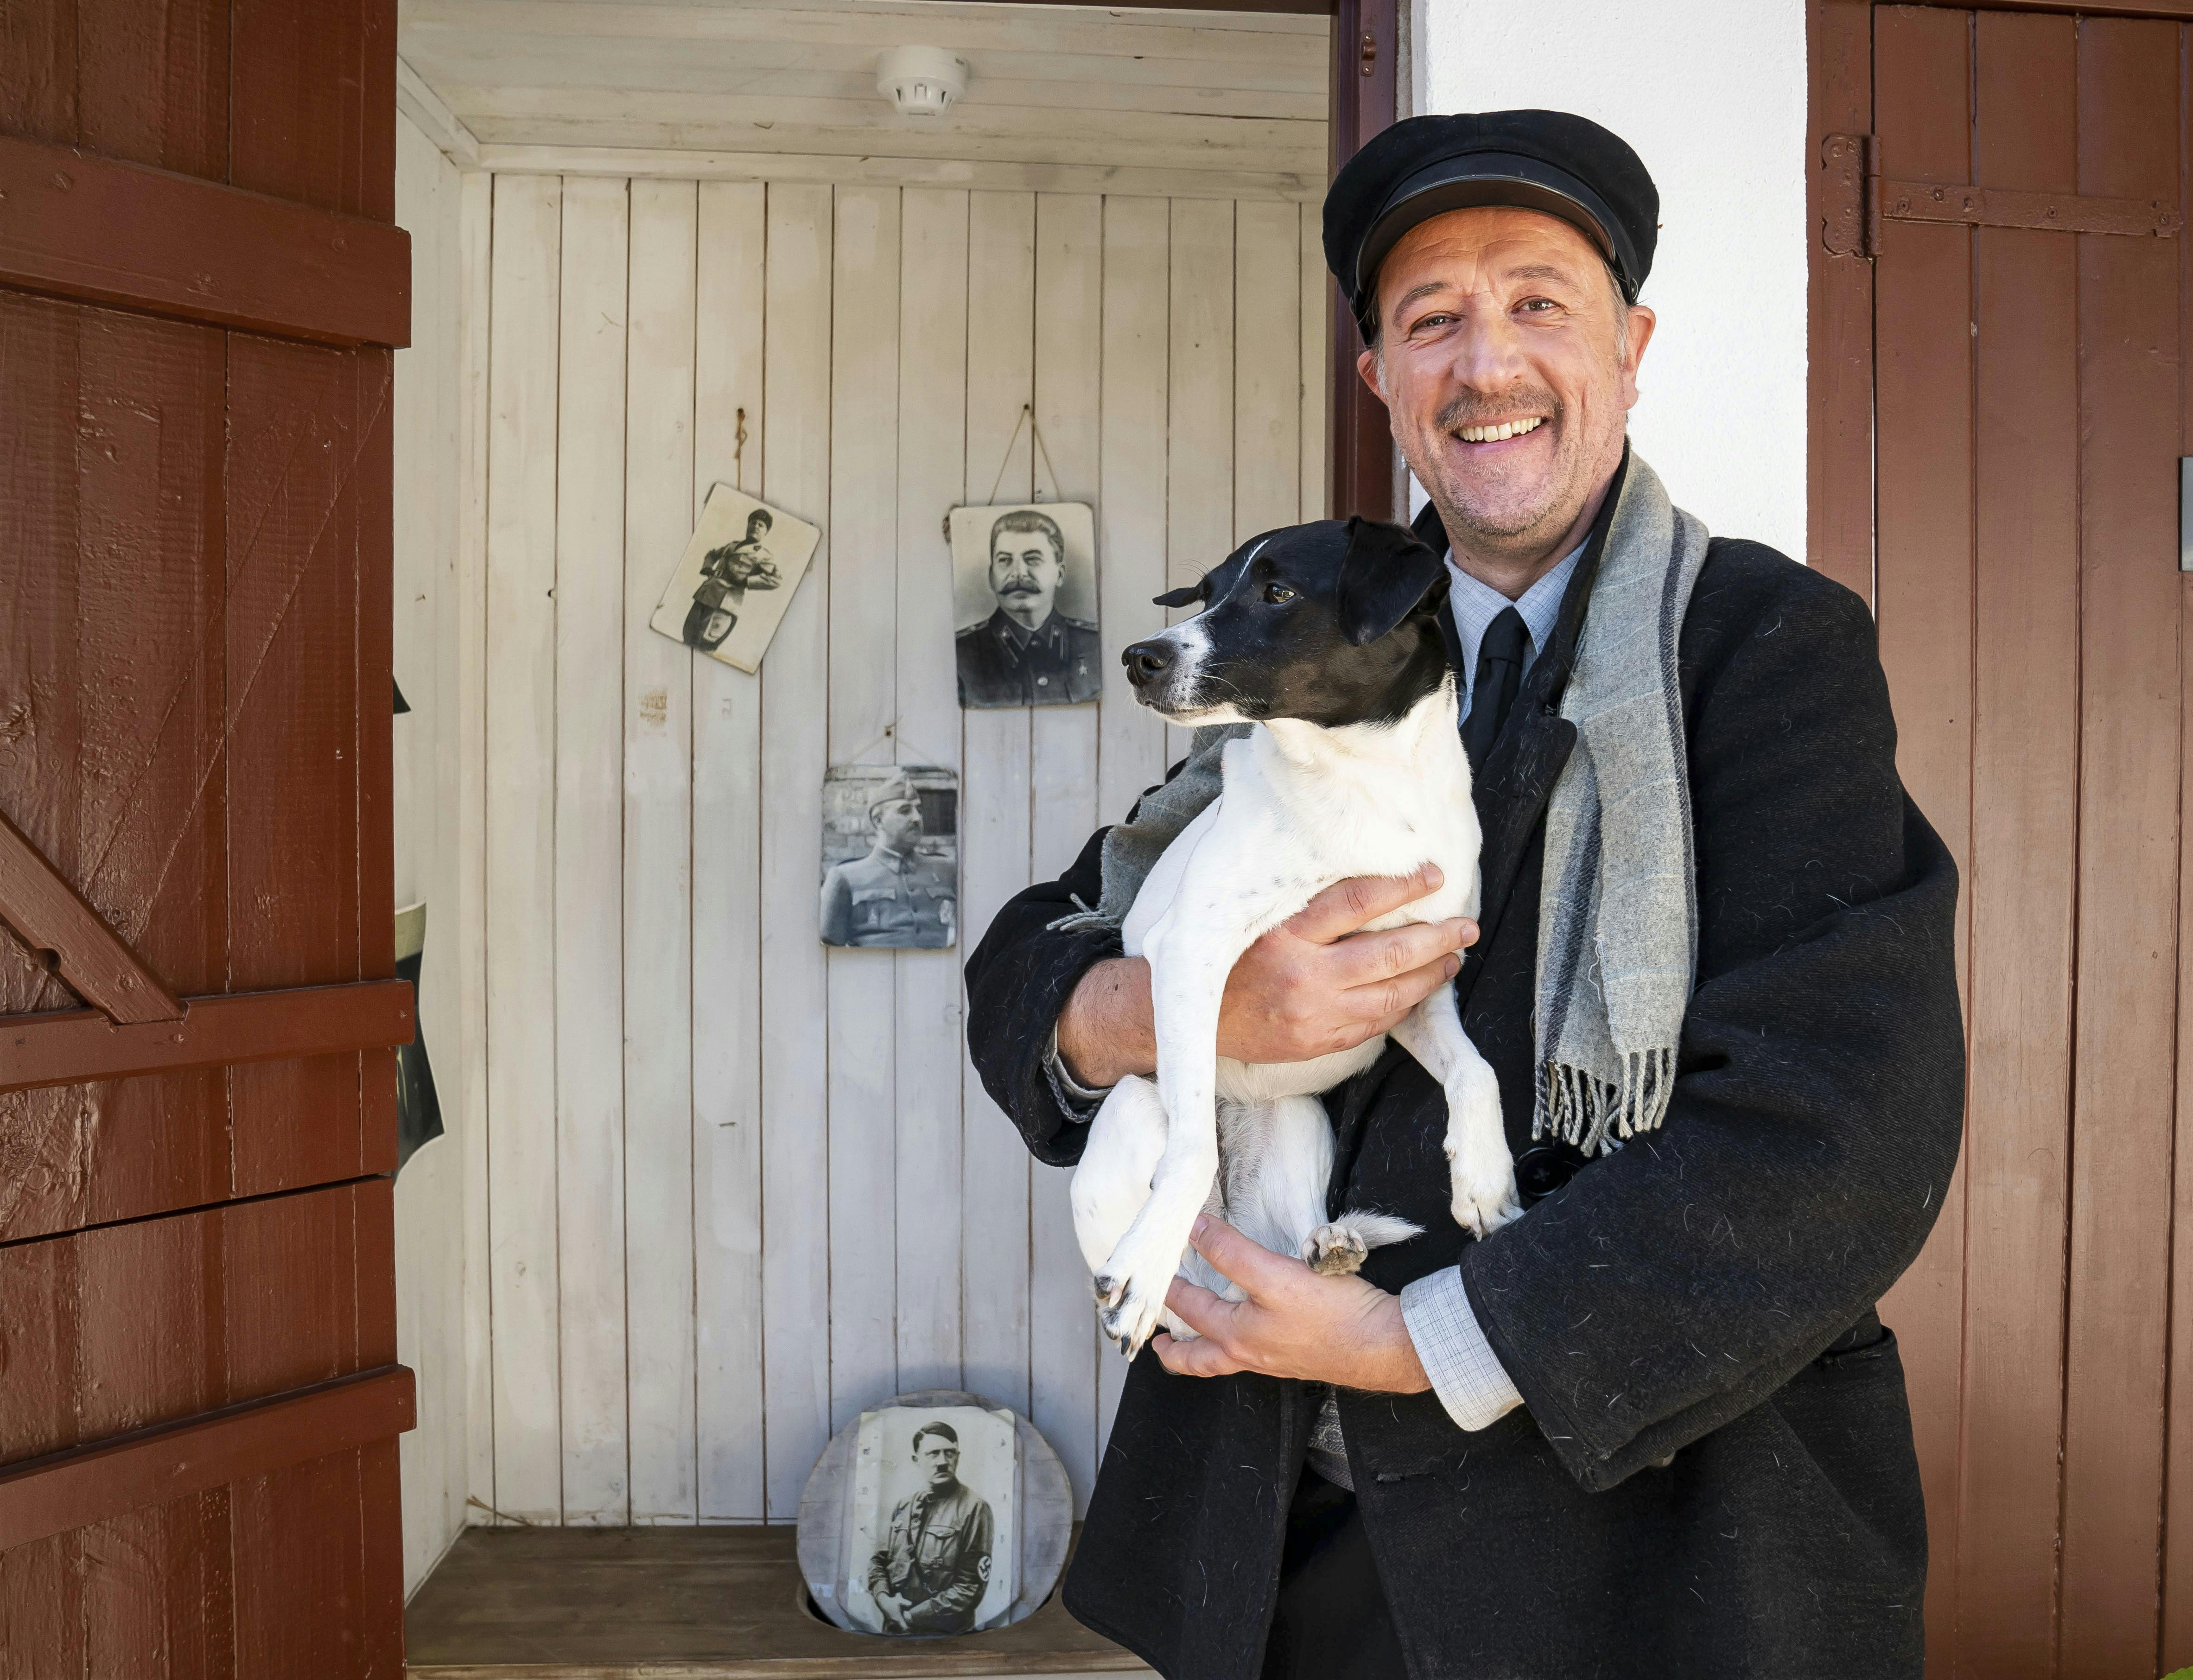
[932,1543]
[730,590]
[891,857]
[1024,594]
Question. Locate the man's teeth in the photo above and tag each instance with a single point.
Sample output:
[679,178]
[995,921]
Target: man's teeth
[1493,434]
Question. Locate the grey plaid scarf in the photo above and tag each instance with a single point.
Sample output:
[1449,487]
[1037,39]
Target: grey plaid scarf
[1618,907]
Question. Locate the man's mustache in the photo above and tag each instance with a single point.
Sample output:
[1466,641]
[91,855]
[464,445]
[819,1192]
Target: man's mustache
[1471,409]
[1020,586]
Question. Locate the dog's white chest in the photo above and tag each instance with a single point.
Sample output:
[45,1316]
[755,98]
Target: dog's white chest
[1272,841]
[1288,826]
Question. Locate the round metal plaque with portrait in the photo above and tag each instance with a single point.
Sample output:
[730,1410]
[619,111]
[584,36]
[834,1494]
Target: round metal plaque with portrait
[937,1513]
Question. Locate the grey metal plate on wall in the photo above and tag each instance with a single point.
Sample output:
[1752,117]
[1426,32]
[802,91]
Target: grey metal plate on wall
[2185,512]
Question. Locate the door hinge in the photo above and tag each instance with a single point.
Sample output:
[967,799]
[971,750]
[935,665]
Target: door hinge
[1856,200]
[1850,205]
[1370,52]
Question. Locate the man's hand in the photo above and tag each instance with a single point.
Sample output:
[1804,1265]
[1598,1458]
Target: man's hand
[1294,1322]
[894,1610]
[1313,985]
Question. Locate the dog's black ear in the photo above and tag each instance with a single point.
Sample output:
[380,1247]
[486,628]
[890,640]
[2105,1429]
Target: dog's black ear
[1386,575]
[1194,592]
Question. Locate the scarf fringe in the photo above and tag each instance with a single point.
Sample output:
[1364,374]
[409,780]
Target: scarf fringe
[1082,917]
[1597,1117]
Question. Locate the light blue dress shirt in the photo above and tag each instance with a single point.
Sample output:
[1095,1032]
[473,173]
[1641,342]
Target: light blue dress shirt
[1464,1372]
[1476,604]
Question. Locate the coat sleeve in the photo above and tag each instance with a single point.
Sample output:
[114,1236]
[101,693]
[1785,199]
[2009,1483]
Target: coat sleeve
[1018,980]
[880,1565]
[1677,1283]
[1020,975]
[836,908]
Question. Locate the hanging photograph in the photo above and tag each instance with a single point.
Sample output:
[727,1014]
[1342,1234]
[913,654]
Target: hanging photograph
[931,1538]
[1024,581]
[891,857]
[731,591]
[418,1109]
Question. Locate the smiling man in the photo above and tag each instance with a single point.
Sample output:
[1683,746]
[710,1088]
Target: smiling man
[1654,1426]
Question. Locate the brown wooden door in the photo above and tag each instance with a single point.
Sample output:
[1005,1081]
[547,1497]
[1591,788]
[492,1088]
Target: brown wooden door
[199,283]
[2028,418]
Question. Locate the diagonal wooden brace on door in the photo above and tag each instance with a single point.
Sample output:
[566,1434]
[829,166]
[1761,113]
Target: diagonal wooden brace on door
[51,916]
[137,1025]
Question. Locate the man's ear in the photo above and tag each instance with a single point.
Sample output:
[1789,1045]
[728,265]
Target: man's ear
[1385,574]
[1370,370]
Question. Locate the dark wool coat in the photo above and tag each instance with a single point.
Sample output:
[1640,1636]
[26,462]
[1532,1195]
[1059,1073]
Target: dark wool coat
[1713,1475]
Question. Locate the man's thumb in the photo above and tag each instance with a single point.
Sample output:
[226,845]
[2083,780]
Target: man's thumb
[1231,1254]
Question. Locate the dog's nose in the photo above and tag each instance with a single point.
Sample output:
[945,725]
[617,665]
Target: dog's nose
[1146,662]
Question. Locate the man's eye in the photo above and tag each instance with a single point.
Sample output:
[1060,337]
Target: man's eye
[1536,304]
[1278,593]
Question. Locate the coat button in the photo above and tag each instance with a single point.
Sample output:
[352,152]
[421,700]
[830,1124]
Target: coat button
[1541,1171]
[1042,682]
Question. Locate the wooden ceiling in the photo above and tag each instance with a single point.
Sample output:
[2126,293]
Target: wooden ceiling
[1056,95]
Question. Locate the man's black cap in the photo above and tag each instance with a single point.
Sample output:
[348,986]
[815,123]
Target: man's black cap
[1542,160]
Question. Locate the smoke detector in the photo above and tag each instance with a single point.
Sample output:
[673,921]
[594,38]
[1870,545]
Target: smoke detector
[922,83]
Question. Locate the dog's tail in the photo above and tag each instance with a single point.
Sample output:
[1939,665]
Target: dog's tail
[1378,1230]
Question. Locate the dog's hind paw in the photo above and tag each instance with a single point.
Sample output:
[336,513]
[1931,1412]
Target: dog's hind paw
[1335,1250]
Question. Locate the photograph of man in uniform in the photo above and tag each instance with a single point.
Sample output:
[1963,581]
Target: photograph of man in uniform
[1028,652]
[735,578]
[929,1574]
[725,576]
[899,896]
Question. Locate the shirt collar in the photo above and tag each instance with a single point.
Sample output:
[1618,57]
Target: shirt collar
[1476,604]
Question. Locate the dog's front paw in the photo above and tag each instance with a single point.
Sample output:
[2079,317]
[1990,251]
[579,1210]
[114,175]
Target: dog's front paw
[1131,1285]
[1335,1251]
[1484,1190]
[1127,1310]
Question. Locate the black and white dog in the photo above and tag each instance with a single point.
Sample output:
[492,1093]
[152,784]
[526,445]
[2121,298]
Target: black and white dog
[1325,636]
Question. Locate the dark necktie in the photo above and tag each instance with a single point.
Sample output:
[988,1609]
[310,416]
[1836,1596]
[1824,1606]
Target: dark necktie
[1492,695]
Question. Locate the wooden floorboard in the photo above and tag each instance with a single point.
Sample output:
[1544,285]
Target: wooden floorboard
[711,1603]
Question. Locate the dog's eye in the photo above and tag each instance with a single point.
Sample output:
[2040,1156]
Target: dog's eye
[1278,593]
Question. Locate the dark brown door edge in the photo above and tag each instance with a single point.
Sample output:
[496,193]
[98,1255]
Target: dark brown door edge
[1839,399]
[1365,50]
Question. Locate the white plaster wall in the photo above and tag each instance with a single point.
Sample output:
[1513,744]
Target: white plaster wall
[1712,94]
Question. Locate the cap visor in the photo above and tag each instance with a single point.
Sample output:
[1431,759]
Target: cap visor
[1480,179]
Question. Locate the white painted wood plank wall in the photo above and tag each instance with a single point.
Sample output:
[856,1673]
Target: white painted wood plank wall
[737,1186]
[932,454]
[591,1349]
[524,1248]
[661,1135]
[726,885]
[435,746]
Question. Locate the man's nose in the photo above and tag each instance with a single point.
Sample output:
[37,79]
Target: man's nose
[1146,662]
[1485,356]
